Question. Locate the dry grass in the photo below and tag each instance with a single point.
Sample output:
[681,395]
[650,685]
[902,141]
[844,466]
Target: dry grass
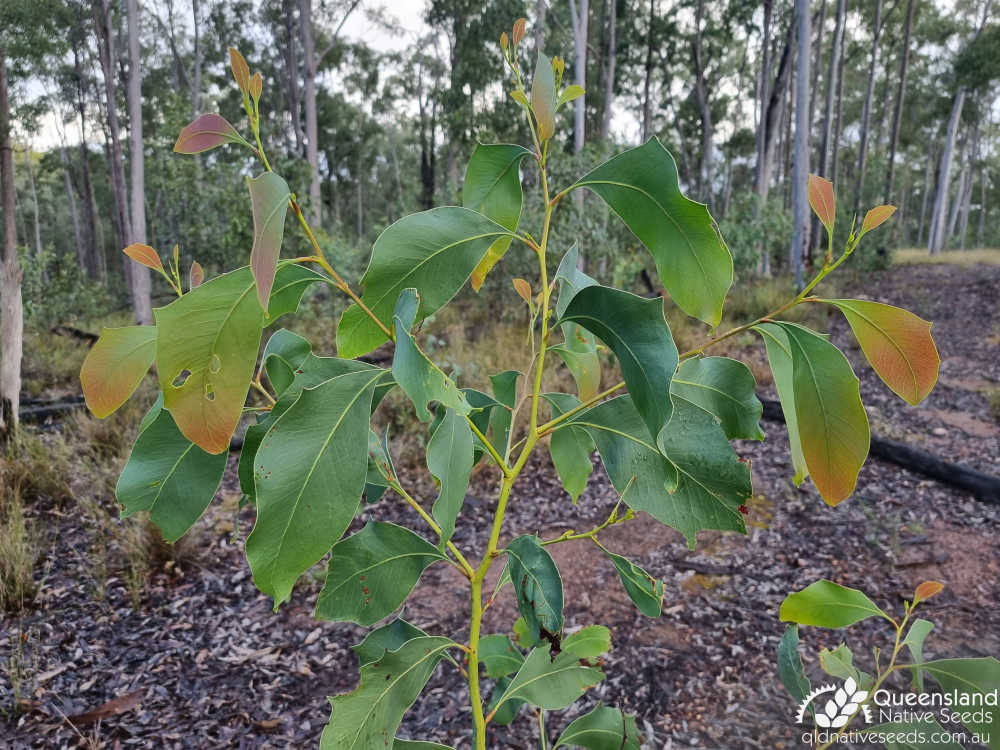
[19,551]
[979,257]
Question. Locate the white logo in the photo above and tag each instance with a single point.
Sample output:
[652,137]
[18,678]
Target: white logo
[838,709]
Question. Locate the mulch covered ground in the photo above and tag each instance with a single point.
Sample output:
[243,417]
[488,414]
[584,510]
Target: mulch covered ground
[204,663]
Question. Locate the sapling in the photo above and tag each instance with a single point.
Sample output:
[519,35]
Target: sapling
[663,432]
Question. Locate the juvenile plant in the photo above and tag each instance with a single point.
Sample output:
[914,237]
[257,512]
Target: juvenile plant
[663,433]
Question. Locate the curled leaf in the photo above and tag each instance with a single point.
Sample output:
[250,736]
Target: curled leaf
[876,217]
[241,71]
[927,589]
[822,200]
[144,255]
[196,275]
[523,289]
[205,133]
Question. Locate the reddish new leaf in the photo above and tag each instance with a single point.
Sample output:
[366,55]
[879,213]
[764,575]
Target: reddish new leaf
[241,71]
[897,344]
[269,196]
[113,707]
[876,217]
[205,133]
[115,366]
[523,289]
[822,200]
[256,86]
[927,589]
[145,255]
[196,275]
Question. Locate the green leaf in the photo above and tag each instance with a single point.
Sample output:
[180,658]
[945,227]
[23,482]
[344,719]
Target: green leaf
[499,655]
[571,279]
[917,734]
[590,642]
[386,638]
[269,195]
[380,469]
[645,591]
[493,188]
[604,728]
[570,93]
[398,744]
[520,628]
[483,406]
[367,717]
[725,388]
[309,474]
[839,663]
[372,572]
[790,668]
[971,677]
[832,422]
[570,448]
[779,355]
[551,683]
[537,585]
[449,460]
[505,390]
[207,342]
[422,380]
[579,348]
[636,331]
[115,365]
[508,711]
[434,251]
[826,604]
[914,641]
[640,185]
[168,475]
[284,353]
[543,97]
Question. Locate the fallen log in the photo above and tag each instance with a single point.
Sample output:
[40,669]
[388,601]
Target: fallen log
[42,410]
[983,486]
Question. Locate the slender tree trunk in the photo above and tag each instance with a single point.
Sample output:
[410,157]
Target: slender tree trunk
[78,247]
[312,127]
[579,20]
[944,175]
[966,205]
[91,253]
[11,309]
[980,222]
[963,174]
[829,112]
[867,110]
[540,7]
[928,174]
[141,284]
[29,163]
[198,55]
[647,110]
[837,126]
[801,171]
[819,27]
[704,108]
[609,71]
[897,114]
[292,76]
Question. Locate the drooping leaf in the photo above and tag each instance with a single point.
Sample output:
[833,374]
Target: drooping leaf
[368,717]
[434,251]
[971,677]
[543,97]
[914,641]
[822,200]
[499,656]
[537,585]
[422,380]
[640,185]
[205,133]
[168,475]
[826,604]
[144,255]
[115,365]
[551,683]
[590,642]
[309,473]
[636,331]
[380,469]
[604,728]
[645,591]
[725,388]
[284,353]
[876,217]
[839,663]
[386,638]
[449,459]
[269,196]
[207,342]
[505,390]
[790,668]
[570,448]
[372,572]
[897,344]
[924,733]
[779,356]
[493,188]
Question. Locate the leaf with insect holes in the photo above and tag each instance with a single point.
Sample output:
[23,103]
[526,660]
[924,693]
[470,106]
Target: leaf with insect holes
[537,585]
[433,251]
[168,476]
[196,275]
[604,728]
[372,572]
[826,604]
[645,591]
[205,133]
[640,185]
[115,365]
[822,200]
[543,97]
[269,195]
[449,460]
[144,255]
[551,682]
[876,217]
[897,344]
[493,188]
[241,71]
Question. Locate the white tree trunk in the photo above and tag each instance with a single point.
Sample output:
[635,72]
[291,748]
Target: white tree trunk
[141,284]
[579,20]
[312,128]
[609,74]
[800,179]
[11,310]
[944,176]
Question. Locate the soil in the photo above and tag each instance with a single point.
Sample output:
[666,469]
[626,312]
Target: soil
[205,663]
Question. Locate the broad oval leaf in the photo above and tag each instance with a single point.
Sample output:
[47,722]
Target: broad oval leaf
[645,591]
[505,714]
[269,195]
[590,642]
[876,217]
[398,744]
[570,93]
[543,97]
[449,460]
[971,677]
[640,185]
[196,275]
[169,476]
[822,200]
[115,365]
[570,449]
[604,728]
[790,669]
[897,344]
[725,388]
[537,585]
[434,251]
[309,473]
[368,717]
[372,572]
[386,638]
[779,356]
[826,604]
[493,188]
[499,656]
[144,255]
[636,331]
[205,133]
[551,683]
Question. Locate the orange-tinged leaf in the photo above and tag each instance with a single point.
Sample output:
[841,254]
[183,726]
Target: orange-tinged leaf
[543,98]
[518,30]
[115,366]
[876,216]
[523,289]
[822,200]
[256,86]
[269,195]
[196,275]
[241,71]
[145,255]
[897,344]
[927,589]
[206,132]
